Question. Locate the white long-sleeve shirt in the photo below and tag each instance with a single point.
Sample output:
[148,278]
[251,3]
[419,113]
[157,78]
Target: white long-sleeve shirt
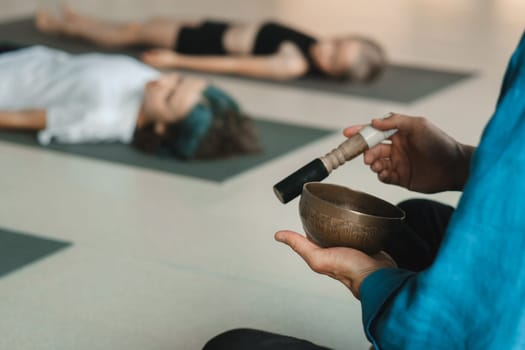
[88,98]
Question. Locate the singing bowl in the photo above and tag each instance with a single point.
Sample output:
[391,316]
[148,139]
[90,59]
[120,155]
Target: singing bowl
[337,216]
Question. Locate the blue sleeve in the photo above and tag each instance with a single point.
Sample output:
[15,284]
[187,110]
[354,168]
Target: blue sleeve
[375,292]
[406,310]
[513,69]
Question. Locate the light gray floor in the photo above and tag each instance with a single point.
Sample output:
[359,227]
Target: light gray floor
[165,262]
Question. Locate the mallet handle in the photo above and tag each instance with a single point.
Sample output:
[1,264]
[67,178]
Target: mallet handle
[318,169]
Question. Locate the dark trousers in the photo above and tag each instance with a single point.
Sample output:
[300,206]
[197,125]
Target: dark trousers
[251,339]
[414,248]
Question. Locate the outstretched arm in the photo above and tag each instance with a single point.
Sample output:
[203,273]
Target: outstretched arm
[32,119]
[279,67]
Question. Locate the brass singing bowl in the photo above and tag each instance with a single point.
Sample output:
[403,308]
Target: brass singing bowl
[337,216]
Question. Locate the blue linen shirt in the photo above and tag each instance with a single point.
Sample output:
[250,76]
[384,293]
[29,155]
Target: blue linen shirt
[473,296]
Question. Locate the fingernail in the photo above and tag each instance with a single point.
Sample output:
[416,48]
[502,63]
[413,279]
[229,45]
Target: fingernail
[388,115]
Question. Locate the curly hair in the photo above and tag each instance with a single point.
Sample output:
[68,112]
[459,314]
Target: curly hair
[231,133]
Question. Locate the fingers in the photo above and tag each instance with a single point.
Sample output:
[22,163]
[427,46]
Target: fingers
[321,260]
[383,150]
[385,171]
[349,266]
[389,176]
[308,250]
[352,130]
[389,121]
[381,165]
[379,158]
[384,168]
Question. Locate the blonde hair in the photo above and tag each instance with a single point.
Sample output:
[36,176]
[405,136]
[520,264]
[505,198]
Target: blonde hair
[370,64]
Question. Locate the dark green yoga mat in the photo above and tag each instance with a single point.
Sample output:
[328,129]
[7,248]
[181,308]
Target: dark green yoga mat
[19,249]
[399,83]
[276,138]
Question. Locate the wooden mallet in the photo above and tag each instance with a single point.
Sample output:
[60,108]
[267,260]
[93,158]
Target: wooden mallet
[321,167]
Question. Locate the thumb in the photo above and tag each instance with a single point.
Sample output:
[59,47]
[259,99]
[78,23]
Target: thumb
[389,121]
[300,244]
[311,253]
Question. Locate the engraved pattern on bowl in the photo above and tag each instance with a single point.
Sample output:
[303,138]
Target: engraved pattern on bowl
[337,216]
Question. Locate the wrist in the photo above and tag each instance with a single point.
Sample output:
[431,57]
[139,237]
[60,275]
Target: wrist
[462,166]
[382,260]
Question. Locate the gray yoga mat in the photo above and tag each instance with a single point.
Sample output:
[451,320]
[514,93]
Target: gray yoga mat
[19,249]
[276,139]
[399,83]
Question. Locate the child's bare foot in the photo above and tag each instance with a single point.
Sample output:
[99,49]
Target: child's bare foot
[46,23]
[69,14]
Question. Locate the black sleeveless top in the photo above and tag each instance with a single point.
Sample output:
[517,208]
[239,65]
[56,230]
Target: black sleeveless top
[272,35]
[207,39]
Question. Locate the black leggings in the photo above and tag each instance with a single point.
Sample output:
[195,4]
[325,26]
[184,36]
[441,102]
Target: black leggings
[413,248]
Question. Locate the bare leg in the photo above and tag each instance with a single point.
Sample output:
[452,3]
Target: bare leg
[157,32]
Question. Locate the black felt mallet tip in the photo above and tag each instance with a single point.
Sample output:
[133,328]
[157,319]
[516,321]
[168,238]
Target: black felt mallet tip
[292,186]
